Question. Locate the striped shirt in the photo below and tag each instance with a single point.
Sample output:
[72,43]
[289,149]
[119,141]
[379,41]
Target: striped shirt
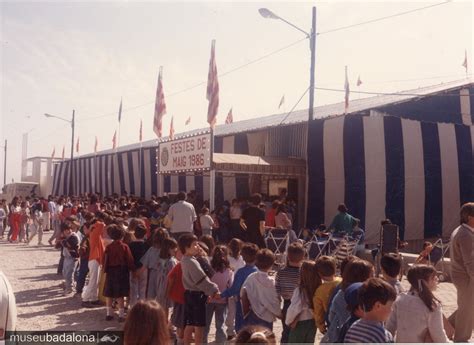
[366,331]
[286,281]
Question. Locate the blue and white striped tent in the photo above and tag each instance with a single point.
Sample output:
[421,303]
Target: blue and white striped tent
[402,167]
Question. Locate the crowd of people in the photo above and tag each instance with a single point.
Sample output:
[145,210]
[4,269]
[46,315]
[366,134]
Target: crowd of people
[175,270]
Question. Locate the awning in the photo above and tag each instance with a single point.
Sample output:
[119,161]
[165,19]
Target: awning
[236,163]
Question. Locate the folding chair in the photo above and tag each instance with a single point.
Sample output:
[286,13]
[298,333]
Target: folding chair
[315,248]
[277,241]
[347,246]
[437,255]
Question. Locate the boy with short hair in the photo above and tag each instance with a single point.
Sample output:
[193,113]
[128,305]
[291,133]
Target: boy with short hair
[287,280]
[138,278]
[391,265]
[197,287]
[70,250]
[260,302]
[326,269]
[376,298]
[249,254]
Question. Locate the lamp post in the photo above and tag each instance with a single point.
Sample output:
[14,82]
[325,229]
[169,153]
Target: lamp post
[266,13]
[71,173]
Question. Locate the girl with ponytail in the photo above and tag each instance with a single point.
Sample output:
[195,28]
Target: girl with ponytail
[417,316]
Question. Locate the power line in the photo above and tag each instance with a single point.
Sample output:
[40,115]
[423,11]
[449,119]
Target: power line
[296,104]
[382,18]
[204,82]
[389,93]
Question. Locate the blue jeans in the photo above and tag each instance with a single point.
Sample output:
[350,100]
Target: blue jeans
[220,312]
[252,320]
[81,274]
[69,265]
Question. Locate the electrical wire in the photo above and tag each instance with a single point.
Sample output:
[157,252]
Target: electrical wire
[204,82]
[382,18]
[388,93]
[293,108]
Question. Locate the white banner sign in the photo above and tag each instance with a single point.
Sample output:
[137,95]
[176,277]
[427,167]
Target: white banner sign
[187,154]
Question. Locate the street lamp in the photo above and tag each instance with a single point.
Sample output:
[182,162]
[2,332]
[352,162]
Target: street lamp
[266,13]
[72,122]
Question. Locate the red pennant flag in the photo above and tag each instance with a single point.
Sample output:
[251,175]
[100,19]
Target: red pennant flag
[160,106]
[96,145]
[230,117]
[464,64]
[188,121]
[359,82]
[171,129]
[212,94]
[62,156]
[282,101]
[77,145]
[140,136]
[114,141]
[53,153]
[346,96]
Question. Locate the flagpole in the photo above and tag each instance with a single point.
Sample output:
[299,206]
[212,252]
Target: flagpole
[212,176]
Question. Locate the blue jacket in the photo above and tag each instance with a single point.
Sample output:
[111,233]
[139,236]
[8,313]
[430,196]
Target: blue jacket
[239,279]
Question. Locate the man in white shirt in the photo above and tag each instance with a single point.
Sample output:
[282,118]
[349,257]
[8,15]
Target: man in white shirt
[462,273]
[182,214]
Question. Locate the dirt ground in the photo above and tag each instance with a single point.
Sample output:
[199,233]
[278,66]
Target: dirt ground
[41,305]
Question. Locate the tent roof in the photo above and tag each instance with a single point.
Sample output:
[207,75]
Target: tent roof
[238,163]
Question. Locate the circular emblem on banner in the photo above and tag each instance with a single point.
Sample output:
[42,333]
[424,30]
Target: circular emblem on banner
[165,156]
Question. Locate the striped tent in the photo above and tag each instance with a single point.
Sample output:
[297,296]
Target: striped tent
[415,173]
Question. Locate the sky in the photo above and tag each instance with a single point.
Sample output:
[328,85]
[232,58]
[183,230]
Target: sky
[60,56]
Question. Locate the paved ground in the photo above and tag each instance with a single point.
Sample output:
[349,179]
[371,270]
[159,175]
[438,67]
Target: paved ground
[41,306]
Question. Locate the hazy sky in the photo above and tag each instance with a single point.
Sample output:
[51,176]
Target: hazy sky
[58,56]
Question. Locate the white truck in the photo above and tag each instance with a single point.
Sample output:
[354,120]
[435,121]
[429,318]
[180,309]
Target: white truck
[24,189]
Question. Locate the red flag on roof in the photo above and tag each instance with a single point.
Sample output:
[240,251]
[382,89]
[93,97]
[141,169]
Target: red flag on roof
[171,129]
[359,82]
[346,96]
[212,94]
[96,145]
[53,153]
[282,101]
[230,117]
[188,121]
[464,64]
[114,141]
[160,106]
[140,136]
[62,156]
[77,145]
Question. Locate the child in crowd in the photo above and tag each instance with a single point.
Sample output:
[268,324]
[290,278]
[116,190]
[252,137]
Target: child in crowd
[206,221]
[287,280]
[249,253]
[256,335]
[210,244]
[204,260]
[70,248]
[197,289]
[326,270]
[218,306]
[166,263]
[356,271]
[146,324]
[417,316]
[118,261]
[351,296]
[424,257]
[150,261]
[391,265]
[260,302]
[175,292]
[138,279]
[236,262]
[299,316]
[376,298]
[84,250]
